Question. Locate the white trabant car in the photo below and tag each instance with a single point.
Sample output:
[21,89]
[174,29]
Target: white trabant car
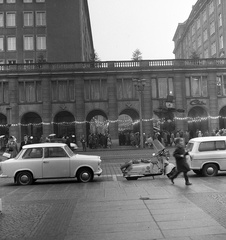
[49,161]
[208,155]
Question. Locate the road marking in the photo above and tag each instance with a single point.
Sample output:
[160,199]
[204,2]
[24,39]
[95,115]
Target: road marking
[114,178]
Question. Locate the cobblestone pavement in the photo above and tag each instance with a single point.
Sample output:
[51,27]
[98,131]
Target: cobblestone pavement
[111,207]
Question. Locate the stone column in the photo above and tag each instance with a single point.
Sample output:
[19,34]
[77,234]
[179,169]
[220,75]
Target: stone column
[80,108]
[13,109]
[213,102]
[147,107]
[180,100]
[46,107]
[113,108]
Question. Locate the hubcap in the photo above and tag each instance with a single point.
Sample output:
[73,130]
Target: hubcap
[24,179]
[210,171]
[85,176]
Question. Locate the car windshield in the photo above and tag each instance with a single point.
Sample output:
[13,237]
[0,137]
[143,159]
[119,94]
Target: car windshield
[68,150]
[189,147]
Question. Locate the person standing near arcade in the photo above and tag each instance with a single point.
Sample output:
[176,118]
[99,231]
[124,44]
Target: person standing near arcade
[182,165]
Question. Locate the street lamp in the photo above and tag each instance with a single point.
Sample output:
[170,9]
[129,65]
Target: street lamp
[139,84]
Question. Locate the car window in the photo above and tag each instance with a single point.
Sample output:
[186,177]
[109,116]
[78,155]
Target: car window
[55,152]
[189,147]
[33,153]
[220,145]
[212,146]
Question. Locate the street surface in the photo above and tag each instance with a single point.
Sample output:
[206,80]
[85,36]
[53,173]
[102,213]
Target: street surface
[112,208]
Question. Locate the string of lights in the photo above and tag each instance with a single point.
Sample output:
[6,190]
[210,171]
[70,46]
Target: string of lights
[128,122]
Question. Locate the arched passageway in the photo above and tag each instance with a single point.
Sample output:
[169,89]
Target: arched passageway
[64,125]
[222,119]
[128,129]
[31,125]
[198,121]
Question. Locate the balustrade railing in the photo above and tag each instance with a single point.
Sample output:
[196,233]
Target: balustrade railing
[80,66]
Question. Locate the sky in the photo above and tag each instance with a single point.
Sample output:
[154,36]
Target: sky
[119,27]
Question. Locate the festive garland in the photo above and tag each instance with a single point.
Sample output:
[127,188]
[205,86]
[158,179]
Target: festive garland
[107,122]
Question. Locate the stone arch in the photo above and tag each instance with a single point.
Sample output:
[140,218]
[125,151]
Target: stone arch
[31,124]
[195,124]
[96,122]
[64,124]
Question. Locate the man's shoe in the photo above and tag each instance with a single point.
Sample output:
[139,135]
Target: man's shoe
[188,183]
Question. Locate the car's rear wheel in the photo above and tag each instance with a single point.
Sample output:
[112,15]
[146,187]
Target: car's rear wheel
[85,175]
[210,170]
[24,178]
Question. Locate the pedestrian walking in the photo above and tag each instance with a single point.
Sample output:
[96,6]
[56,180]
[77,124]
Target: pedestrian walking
[181,163]
[83,141]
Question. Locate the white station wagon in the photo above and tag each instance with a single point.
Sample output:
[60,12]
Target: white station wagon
[208,155]
[49,161]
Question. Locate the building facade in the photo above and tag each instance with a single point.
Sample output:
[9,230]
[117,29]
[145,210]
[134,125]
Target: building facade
[203,34]
[81,98]
[34,31]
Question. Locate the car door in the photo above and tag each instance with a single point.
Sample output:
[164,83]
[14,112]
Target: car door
[56,163]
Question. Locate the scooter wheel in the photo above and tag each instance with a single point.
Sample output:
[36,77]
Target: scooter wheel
[131,178]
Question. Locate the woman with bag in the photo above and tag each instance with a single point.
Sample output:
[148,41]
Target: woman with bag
[11,147]
[182,165]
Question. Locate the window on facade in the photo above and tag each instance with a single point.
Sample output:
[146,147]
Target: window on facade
[4,92]
[125,89]
[204,16]
[30,91]
[205,35]
[96,89]
[165,87]
[219,2]
[1,1]
[154,87]
[11,19]
[193,30]
[198,23]
[41,18]
[212,28]
[199,41]
[10,1]
[41,43]
[28,43]
[1,19]
[11,61]
[221,85]
[11,43]
[213,48]
[196,86]
[63,90]
[28,19]
[1,44]
[28,61]
[211,8]
[220,20]
[221,42]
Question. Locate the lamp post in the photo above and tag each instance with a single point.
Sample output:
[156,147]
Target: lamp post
[139,84]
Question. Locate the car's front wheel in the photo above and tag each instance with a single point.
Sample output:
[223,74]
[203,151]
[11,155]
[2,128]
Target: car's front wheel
[85,175]
[24,178]
[210,170]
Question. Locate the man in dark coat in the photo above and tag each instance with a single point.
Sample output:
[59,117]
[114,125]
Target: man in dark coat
[182,165]
[24,142]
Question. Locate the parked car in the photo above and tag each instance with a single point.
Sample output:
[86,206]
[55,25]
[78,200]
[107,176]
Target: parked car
[208,155]
[73,146]
[49,161]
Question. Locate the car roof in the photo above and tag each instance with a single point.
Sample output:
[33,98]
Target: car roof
[208,138]
[48,144]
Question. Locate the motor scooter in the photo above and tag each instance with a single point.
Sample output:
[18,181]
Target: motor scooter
[158,164]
